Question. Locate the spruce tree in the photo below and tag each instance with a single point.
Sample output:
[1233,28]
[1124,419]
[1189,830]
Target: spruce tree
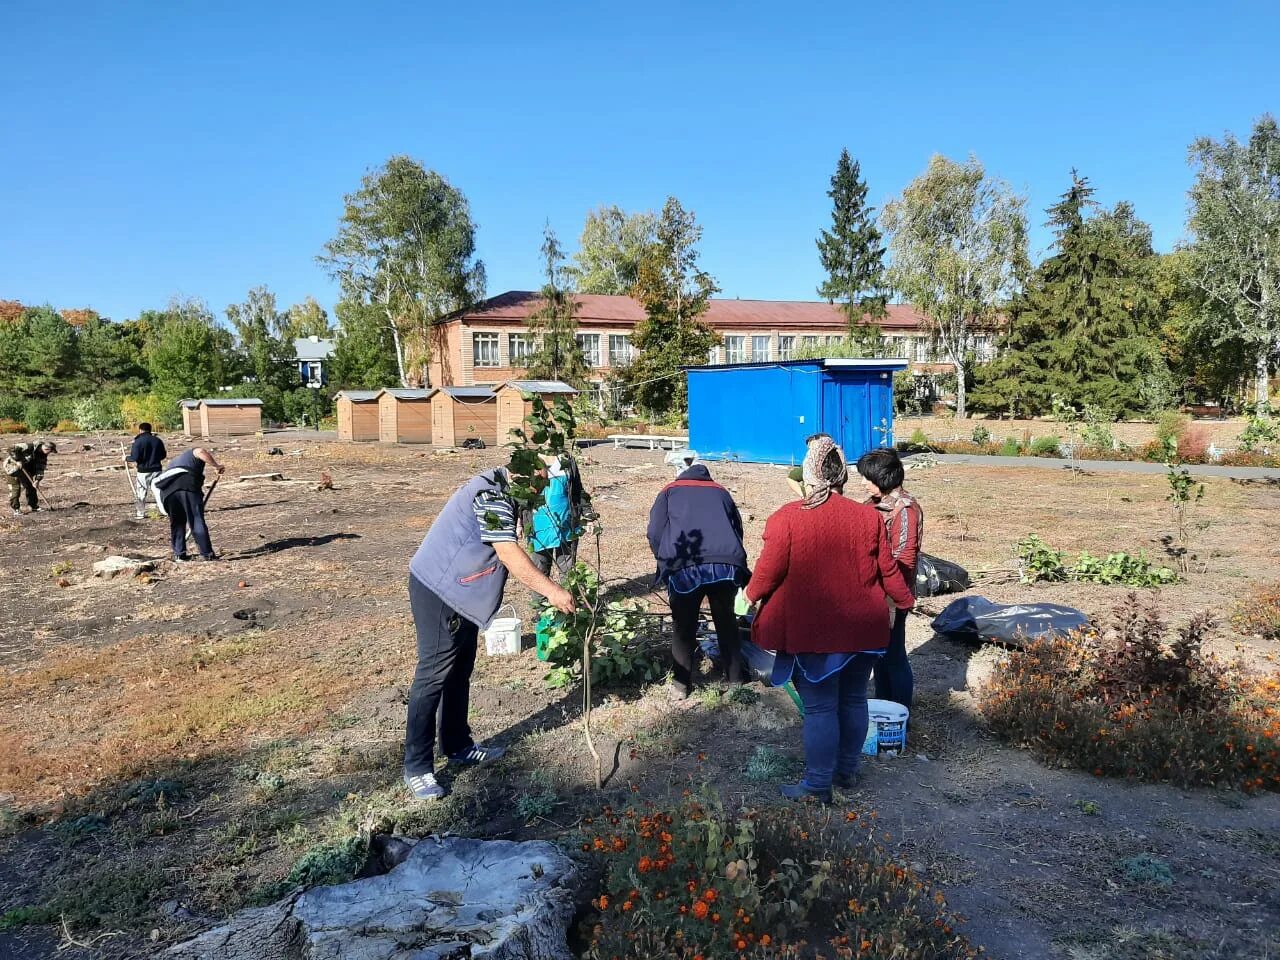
[853,256]
[1084,327]
[554,325]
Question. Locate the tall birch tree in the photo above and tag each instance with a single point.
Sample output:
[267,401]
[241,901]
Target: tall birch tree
[958,244]
[406,244]
[1235,221]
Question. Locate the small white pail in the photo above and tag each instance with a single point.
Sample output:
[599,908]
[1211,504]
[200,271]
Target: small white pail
[890,722]
[502,636]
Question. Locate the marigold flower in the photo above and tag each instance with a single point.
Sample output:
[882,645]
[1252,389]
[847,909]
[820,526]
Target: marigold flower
[700,910]
[765,940]
[626,905]
[715,918]
[710,895]
[604,902]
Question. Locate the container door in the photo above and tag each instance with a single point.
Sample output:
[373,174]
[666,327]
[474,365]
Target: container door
[847,414]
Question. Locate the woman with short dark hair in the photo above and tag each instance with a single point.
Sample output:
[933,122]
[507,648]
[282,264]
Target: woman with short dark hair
[882,475]
[822,580]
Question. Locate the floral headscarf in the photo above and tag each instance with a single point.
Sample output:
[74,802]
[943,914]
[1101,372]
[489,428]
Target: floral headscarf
[824,468]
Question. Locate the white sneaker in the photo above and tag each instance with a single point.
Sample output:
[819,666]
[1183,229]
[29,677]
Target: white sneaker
[423,786]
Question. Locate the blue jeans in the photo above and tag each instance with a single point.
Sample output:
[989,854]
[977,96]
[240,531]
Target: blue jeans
[835,721]
[894,679]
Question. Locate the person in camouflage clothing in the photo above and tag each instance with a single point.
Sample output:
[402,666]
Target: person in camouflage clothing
[24,467]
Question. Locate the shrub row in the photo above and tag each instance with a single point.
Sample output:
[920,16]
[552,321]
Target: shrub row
[1131,703]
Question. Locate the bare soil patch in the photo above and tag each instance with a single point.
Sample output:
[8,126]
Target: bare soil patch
[172,744]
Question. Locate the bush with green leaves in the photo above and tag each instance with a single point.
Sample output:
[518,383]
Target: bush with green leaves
[1046,447]
[1038,562]
[1261,431]
[980,434]
[620,653]
[100,412]
[306,407]
[40,415]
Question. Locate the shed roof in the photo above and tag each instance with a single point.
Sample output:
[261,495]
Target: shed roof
[539,386]
[222,402]
[468,393]
[861,363]
[313,348]
[409,393]
[358,395]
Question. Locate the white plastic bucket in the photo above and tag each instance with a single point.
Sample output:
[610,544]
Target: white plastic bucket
[502,636]
[890,722]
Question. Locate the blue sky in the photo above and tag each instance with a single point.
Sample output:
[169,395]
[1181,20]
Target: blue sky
[156,149]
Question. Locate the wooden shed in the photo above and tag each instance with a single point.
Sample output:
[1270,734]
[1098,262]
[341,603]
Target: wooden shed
[190,417]
[222,417]
[404,415]
[459,413]
[357,414]
[514,405]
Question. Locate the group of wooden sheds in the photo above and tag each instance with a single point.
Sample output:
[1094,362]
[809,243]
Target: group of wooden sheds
[443,416]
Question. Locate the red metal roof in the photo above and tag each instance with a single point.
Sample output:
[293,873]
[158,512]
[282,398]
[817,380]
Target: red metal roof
[516,306]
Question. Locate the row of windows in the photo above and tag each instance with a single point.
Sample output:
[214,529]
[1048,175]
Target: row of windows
[520,346]
[734,350]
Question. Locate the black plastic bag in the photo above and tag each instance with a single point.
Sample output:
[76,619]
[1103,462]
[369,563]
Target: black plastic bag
[975,619]
[935,576]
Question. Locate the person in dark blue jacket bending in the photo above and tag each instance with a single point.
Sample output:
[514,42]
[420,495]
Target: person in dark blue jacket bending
[695,532]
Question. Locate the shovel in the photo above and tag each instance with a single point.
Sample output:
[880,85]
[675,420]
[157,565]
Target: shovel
[42,498]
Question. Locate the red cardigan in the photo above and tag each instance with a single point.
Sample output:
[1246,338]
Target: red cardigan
[823,576]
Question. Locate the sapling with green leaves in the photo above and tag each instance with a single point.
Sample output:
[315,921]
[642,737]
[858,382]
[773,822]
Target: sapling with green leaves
[1185,494]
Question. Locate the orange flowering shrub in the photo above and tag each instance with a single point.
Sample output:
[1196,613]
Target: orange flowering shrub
[1259,613]
[700,883]
[1129,704]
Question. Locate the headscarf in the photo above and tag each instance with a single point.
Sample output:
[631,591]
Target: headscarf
[824,468]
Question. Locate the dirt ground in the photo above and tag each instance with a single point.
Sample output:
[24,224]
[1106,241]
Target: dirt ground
[171,745]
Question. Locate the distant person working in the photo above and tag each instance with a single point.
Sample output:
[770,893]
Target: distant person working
[180,495]
[147,454]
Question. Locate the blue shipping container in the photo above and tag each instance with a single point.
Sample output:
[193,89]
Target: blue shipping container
[762,412]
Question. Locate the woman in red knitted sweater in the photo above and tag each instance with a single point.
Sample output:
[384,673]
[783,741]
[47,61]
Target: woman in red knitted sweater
[822,579]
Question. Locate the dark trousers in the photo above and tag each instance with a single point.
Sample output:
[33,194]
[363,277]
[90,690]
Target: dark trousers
[562,558]
[684,621]
[835,721]
[894,679]
[19,484]
[186,509]
[441,691]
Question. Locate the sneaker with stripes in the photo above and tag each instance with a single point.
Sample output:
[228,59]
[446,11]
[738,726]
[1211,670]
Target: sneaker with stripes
[423,786]
[476,754]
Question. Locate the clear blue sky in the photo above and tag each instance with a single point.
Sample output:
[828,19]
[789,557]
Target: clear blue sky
[151,149]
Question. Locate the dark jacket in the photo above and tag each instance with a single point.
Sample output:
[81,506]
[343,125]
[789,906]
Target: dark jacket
[695,521]
[148,452]
[186,472]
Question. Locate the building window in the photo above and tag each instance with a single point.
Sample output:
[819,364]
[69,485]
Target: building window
[484,349]
[760,348]
[808,342]
[786,347]
[713,356]
[519,348]
[735,349]
[621,352]
[924,350]
[589,344]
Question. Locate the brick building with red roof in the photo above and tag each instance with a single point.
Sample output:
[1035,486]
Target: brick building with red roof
[485,345]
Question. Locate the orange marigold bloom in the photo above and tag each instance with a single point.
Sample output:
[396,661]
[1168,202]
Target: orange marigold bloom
[765,940]
[645,865]
[700,910]
[710,895]
[715,918]
[604,902]
[741,944]
[626,905]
